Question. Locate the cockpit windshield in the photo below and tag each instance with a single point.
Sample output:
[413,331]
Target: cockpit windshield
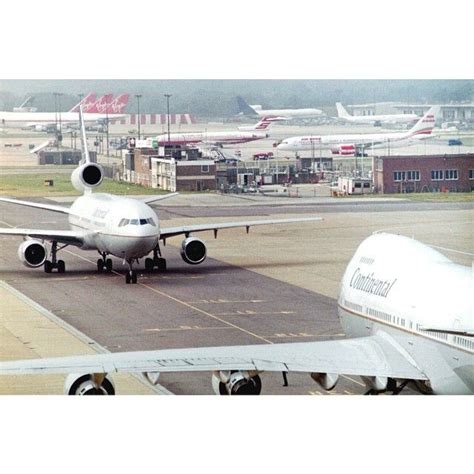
[124,222]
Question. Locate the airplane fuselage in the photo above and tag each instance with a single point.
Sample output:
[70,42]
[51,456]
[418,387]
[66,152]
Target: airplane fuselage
[368,119]
[289,113]
[316,142]
[382,294]
[123,227]
[229,138]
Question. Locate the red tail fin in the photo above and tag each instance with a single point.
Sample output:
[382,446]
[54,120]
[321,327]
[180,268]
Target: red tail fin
[117,106]
[100,106]
[87,102]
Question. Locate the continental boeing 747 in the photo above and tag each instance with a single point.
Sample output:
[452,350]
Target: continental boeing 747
[113,225]
[406,310]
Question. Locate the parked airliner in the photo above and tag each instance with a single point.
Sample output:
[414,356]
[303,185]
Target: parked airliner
[230,137]
[344,115]
[353,143]
[282,114]
[406,310]
[41,120]
[113,225]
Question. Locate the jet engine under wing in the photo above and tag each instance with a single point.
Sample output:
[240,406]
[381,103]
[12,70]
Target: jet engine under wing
[188,229]
[369,356]
[63,236]
[48,207]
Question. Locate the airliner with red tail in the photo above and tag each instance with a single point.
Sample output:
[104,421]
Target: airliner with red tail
[231,137]
[350,144]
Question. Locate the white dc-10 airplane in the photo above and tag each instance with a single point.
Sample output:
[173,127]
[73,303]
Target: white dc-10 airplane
[113,225]
[406,310]
[349,144]
[343,114]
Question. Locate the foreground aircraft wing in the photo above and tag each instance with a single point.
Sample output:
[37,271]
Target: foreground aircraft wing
[63,236]
[48,207]
[369,356]
[188,229]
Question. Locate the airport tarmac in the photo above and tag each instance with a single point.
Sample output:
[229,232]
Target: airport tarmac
[20,156]
[278,284]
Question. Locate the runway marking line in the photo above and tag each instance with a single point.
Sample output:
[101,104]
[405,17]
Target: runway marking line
[186,328]
[225,301]
[250,312]
[206,313]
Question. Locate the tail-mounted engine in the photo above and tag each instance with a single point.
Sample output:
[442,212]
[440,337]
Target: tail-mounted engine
[193,251]
[236,383]
[32,253]
[88,384]
[87,176]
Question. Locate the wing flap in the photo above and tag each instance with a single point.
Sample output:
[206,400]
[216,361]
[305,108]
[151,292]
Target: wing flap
[188,229]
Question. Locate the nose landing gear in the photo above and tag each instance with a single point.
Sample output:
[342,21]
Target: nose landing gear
[131,275]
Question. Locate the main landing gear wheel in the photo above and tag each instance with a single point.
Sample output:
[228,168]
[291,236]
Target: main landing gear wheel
[157,263]
[104,265]
[50,265]
[149,264]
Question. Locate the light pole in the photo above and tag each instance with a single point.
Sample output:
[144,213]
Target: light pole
[107,125]
[138,97]
[57,114]
[168,114]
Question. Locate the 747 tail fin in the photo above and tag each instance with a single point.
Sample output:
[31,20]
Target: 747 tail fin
[425,125]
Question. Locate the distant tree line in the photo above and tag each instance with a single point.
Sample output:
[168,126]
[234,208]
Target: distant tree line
[217,98]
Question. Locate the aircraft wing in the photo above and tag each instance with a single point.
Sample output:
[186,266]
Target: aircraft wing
[158,198]
[63,236]
[368,356]
[48,207]
[188,229]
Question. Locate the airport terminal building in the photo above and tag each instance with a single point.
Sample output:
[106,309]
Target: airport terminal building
[433,173]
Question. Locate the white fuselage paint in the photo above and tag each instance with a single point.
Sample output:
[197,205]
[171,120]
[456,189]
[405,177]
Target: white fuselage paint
[289,113]
[100,215]
[324,142]
[369,119]
[395,286]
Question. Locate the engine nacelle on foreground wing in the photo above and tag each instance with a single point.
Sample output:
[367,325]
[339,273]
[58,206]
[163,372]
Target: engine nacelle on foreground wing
[87,176]
[379,384]
[236,383]
[88,384]
[193,250]
[32,253]
[326,381]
